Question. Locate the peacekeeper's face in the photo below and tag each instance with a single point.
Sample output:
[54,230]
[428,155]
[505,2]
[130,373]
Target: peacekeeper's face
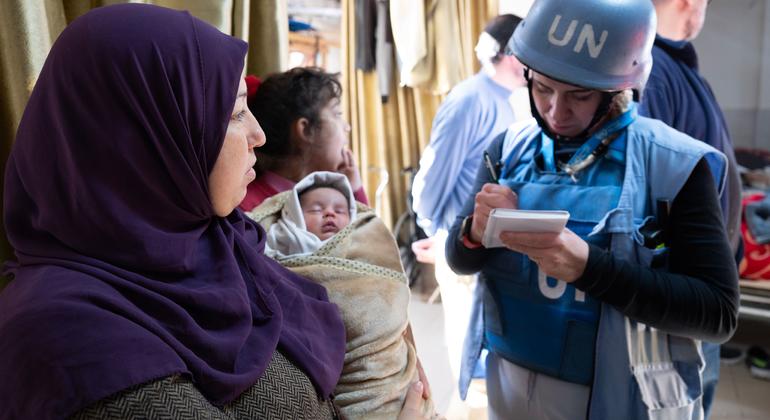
[567,109]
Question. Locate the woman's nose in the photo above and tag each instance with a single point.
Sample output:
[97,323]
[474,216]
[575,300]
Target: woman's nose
[559,107]
[256,135]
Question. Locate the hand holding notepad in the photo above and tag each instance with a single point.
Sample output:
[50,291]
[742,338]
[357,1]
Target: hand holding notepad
[533,221]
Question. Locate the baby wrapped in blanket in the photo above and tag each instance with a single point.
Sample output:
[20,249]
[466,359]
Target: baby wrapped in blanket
[319,231]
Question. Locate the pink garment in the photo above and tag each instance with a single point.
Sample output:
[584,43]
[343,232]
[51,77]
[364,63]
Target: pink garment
[269,184]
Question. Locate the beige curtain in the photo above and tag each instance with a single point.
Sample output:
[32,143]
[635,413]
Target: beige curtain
[389,137]
[29,28]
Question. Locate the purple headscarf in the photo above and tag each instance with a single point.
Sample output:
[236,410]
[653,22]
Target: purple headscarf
[124,273]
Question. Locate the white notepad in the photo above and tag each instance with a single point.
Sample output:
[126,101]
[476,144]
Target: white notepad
[509,220]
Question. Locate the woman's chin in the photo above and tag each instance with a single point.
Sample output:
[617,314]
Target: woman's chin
[564,131]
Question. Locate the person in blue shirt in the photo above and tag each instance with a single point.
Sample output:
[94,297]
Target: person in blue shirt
[474,112]
[603,320]
[680,96]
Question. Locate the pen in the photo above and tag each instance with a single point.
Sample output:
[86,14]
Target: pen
[491,167]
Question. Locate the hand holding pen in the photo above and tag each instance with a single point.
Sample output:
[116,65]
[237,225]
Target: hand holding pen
[492,168]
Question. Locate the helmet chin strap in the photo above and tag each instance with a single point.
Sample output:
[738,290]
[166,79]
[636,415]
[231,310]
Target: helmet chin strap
[601,112]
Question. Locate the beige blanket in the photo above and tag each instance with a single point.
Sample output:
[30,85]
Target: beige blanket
[362,272]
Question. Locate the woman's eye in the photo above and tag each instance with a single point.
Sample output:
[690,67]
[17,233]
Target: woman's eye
[240,116]
[582,98]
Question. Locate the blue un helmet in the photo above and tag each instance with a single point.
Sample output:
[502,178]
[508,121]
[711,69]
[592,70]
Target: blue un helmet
[598,44]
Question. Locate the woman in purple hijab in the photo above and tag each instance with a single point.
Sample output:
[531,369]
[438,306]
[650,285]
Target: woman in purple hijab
[138,290]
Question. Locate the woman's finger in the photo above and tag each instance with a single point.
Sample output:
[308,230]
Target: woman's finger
[531,240]
[412,404]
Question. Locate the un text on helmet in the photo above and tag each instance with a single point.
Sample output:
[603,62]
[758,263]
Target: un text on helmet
[585,38]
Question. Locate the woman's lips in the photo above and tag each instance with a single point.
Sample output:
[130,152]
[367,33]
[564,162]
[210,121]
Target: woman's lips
[560,128]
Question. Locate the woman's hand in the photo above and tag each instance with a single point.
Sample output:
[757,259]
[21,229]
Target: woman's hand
[423,379]
[562,256]
[420,372]
[412,409]
[490,197]
[349,168]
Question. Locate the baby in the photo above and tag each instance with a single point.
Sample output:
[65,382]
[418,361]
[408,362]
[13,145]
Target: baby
[319,231]
[318,207]
[326,210]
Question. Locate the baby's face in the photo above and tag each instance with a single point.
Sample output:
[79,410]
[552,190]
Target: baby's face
[326,211]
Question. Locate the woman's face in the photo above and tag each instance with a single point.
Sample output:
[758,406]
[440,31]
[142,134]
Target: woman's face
[329,138]
[233,170]
[567,109]
[325,210]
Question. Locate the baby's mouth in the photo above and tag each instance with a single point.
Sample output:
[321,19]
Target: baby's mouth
[329,227]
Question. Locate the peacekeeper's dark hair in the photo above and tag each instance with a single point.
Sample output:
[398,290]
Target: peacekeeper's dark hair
[282,98]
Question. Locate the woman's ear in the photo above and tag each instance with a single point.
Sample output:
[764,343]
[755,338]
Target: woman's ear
[301,130]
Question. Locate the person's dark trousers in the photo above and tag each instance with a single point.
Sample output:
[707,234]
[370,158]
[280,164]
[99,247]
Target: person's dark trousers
[710,376]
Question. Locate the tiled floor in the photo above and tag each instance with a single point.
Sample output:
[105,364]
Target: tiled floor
[428,327]
[739,395]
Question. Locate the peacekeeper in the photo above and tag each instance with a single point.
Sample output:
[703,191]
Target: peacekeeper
[603,320]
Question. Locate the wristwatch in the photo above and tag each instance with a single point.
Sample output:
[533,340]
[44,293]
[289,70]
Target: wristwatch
[465,234]
[465,228]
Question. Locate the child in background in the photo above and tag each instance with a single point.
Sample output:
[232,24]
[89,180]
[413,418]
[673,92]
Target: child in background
[319,231]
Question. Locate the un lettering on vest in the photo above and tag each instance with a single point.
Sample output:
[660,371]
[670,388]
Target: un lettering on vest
[557,291]
[586,37]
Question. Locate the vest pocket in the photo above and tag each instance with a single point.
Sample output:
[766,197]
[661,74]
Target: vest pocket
[492,314]
[504,275]
[579,343]
[666,393]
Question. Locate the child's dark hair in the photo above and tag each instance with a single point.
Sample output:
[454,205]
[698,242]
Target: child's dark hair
[282,98]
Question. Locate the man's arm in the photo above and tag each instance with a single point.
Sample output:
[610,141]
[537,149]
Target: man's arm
[454,128]
[461,259]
